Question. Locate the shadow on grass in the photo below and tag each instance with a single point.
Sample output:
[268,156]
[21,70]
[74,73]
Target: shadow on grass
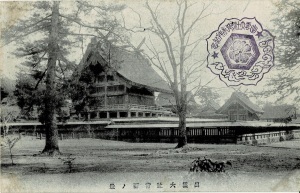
[42,168]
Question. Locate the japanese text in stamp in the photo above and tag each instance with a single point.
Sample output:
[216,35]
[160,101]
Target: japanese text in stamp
[240,51]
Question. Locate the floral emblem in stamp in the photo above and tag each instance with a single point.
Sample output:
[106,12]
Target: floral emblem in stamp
[240,51]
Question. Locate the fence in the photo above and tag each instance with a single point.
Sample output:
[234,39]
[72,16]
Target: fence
[239,135]
[268,137]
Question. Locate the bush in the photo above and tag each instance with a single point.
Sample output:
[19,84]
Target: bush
[290,136]
[281,138]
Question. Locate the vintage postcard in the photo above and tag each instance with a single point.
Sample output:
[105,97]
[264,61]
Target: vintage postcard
[150,96]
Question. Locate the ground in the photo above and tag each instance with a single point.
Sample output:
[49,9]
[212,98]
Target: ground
[99,163]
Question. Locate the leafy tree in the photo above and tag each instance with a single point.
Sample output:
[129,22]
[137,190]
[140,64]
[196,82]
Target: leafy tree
[29,94]
[79,89]
[207,95]
[46,37]
[7,87]
[287,28]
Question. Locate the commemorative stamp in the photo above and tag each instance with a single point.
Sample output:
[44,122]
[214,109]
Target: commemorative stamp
[240,51]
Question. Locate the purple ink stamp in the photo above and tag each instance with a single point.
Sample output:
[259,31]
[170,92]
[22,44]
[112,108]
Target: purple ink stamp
[240,51]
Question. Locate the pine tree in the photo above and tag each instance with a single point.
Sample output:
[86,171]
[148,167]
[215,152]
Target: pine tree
[46,37]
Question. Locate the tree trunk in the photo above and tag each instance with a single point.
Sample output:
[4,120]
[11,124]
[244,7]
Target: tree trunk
[182,141]
[51,147]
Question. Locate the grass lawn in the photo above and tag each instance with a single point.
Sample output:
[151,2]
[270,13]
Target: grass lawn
[99,163]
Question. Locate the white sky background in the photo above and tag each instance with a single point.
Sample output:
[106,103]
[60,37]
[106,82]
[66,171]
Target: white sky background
[261,9]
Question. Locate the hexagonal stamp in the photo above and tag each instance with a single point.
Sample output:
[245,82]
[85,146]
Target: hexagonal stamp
[240,51]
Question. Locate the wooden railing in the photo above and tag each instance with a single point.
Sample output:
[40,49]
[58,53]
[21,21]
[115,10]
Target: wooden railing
[132,107]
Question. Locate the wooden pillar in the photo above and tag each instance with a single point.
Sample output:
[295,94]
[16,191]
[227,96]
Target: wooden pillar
[105,90]
[118,114]
[34,129]
[136,114]
[107,115]
[172,135]
[128,114]
[97,115]
[126,99]
[144,114]
[88,116]
[118,134]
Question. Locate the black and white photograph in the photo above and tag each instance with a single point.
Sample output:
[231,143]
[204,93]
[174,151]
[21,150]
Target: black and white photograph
[150,96]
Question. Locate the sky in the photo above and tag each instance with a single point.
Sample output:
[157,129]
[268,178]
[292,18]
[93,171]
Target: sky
[262,10]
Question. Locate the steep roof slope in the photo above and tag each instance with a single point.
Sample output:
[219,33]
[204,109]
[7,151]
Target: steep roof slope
[136,68]
[243,100]
[130,65]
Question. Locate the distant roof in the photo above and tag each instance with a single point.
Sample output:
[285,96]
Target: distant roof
[130,65]
[167,99]
[278,112]
[242,99]
[164,99]
[296,121]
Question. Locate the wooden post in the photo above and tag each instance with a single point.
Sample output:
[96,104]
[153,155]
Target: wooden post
[172,135]
[34,129]
[117,134]
[105,89]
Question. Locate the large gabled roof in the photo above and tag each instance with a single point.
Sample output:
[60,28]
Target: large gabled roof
[278,112]
[130,65]
[243,100]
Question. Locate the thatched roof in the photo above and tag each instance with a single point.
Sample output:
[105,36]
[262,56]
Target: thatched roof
[129,65]
[296,121]
[279,112]
[243,100]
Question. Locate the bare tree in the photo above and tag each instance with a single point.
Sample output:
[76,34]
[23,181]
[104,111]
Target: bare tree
[176,60]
